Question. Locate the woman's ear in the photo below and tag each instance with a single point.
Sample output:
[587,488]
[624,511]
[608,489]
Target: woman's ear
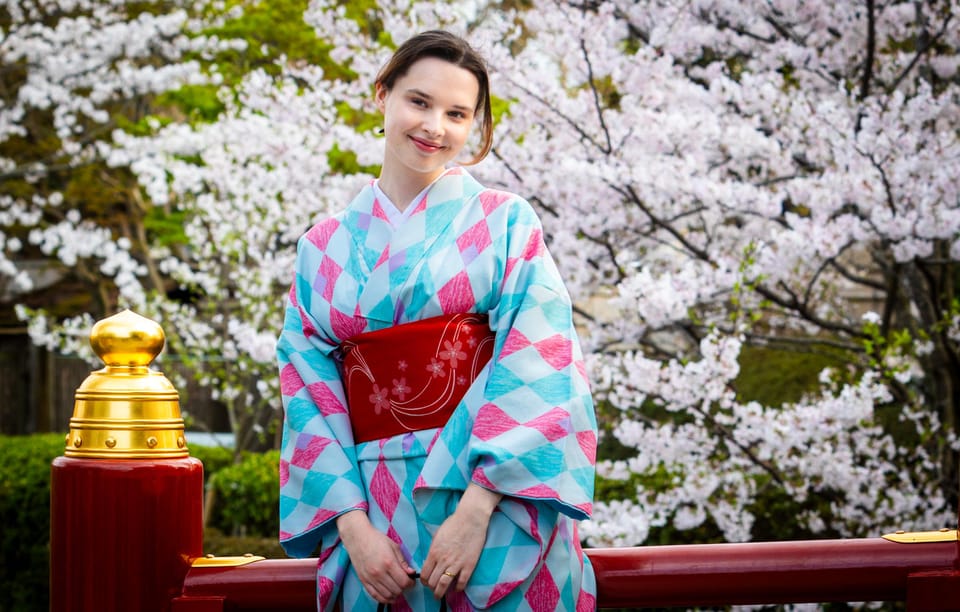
[380,97]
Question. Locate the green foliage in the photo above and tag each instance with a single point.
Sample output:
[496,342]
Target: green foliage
[776,513]
[25,516]
[197,102]
[774,377]
[144,126]
[214,458]
[247,496]
[216,543]
[358,10]
[271,32]
[272,29]
[499,107]
[165,227]
[790,80]
[345,162]
[611,489]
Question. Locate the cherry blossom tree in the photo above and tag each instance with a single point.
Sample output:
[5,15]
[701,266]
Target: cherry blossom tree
[730,174]
[131,199]
[72,73]
[714,177]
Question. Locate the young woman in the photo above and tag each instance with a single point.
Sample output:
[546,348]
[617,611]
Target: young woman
[439,434]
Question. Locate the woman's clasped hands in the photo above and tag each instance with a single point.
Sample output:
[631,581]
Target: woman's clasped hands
[459,541]
[452,558]
[377,559]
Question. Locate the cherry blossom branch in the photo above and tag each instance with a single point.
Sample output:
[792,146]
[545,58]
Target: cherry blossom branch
[887,187]
[806,314]
[631,195]
[611,250]
[856,278]
[820,269]
[725,433]
[533,199]
[596,98]
[871,50]
[924,43]
[568,120]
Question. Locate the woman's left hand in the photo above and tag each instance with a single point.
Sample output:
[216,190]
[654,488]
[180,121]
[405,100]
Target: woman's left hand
[458,542]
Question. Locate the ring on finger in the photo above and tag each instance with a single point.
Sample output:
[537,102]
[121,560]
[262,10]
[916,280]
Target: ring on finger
[449,574]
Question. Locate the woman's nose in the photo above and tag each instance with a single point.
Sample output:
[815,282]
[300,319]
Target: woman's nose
[432,124]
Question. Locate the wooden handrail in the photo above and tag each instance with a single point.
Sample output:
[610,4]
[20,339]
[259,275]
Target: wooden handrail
[871,569]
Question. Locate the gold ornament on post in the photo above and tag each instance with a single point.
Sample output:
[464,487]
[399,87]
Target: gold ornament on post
[125,410]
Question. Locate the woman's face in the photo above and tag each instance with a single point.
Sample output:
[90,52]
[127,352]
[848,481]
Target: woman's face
[428,114]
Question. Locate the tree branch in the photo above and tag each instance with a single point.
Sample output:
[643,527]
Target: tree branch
[575,125]
[628,192]
[924,43]
[726,434]
[792,341]
[611,251]
[861,280]
[596,98]
[803,312]
[871,50]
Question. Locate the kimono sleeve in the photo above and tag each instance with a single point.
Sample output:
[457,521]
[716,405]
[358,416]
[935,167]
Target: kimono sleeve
[526,428]
[534,436]
[319,477]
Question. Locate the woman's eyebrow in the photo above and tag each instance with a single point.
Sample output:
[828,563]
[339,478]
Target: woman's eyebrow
[422,94]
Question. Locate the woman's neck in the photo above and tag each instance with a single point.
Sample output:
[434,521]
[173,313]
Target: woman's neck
[402,190]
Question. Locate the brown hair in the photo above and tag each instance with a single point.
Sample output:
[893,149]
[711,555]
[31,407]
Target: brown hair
[451,48]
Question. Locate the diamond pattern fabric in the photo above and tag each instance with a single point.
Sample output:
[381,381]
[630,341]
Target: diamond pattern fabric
[525,427]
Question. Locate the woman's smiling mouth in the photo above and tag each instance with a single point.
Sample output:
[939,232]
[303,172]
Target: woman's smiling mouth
[424,145]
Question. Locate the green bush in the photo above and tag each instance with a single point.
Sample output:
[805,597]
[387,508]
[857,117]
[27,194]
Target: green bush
[214,458]
[246,496]
[25,517]
[216,543]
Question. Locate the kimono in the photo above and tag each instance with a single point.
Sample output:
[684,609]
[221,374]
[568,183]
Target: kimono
[524,428]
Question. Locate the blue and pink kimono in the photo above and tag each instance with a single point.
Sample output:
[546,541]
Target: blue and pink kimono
[525,427]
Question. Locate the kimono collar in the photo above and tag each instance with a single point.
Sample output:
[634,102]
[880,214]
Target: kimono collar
[456,184]
[377,242]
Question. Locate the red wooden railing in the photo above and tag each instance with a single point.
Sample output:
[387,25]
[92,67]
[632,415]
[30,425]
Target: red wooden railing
[126,527]
[924,575]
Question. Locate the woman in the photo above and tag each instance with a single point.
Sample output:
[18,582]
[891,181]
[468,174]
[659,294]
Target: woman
[439,434]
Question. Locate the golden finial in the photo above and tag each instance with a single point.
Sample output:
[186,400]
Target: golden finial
[127,339]
[125,410]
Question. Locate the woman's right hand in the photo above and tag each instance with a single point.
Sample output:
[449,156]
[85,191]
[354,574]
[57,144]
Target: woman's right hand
[377,559]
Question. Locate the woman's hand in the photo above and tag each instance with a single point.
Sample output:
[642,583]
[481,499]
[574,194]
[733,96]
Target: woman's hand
[457,544]
[377,559]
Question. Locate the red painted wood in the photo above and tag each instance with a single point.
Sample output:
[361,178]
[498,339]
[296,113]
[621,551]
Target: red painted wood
[657,576]
[199,604]
[764,572]
[933,591]
[122,532]
[272,584]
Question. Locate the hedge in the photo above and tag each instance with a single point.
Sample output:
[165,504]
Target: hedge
[246,496]
[25,516]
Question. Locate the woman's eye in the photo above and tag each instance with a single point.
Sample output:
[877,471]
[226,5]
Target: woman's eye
[418,102]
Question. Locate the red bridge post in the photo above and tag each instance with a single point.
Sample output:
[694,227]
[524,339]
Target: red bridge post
[126,515]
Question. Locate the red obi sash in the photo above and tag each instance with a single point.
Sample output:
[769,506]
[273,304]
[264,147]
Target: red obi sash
[410,377]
